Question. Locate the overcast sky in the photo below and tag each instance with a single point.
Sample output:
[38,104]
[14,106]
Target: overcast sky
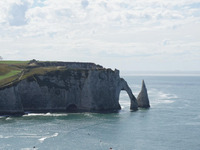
[123,34]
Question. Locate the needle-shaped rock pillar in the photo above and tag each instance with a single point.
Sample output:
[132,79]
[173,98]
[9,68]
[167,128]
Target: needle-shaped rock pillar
[143,99]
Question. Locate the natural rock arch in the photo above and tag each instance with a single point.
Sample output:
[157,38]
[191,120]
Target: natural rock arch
[133,101]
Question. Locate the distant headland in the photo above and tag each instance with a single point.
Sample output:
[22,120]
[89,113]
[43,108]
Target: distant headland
[52,86]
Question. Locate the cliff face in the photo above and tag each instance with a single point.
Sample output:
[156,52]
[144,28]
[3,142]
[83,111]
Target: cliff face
[68,90]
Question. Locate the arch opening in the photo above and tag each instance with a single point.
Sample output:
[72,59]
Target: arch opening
[71,108]
[124,100]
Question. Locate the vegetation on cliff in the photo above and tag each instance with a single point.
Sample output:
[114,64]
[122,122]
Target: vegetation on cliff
[12,72]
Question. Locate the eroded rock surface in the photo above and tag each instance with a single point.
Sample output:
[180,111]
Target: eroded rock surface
[143,99]
[67,90]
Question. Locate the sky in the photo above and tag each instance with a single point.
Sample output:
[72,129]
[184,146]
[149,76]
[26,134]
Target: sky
[130,35]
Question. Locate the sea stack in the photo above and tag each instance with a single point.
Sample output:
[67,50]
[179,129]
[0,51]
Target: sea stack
[142,99]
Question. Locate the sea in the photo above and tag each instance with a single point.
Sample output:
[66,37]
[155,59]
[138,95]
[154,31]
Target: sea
[171,123]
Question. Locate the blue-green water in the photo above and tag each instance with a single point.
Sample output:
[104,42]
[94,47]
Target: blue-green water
[172,122]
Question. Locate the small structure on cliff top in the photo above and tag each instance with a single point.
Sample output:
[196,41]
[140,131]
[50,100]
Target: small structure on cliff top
[32,62]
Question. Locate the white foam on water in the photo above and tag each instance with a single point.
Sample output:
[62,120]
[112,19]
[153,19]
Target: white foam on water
[163,102]
[45,114]
[29,148]
[158,102]
[24,135]
[167,96]
[56,115]
[124,103]
[47,137]
[159,97]
[34,114]
[155,97]
[5,137]
[8,118]
[88,114]
[124,100]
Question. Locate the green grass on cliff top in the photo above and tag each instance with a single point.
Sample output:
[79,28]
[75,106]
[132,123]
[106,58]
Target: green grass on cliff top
[8,68]
[9,74]
[13,62]
[11,71]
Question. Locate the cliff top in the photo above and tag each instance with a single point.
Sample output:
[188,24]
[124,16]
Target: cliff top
[14,71]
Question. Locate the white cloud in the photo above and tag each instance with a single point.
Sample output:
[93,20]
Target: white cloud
[105,31]
[17,14]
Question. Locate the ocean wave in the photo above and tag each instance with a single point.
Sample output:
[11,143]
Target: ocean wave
[162,102]
[161,94]
[45,114]
[155,97]
[167,96]
[88,114]
[124,100]
[160,97]
[47,137]
[124,103]
[27,135]
[8,118]
[29,148]
[5,137]
[122,107]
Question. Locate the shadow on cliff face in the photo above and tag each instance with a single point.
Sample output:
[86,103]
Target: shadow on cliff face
[72,108]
